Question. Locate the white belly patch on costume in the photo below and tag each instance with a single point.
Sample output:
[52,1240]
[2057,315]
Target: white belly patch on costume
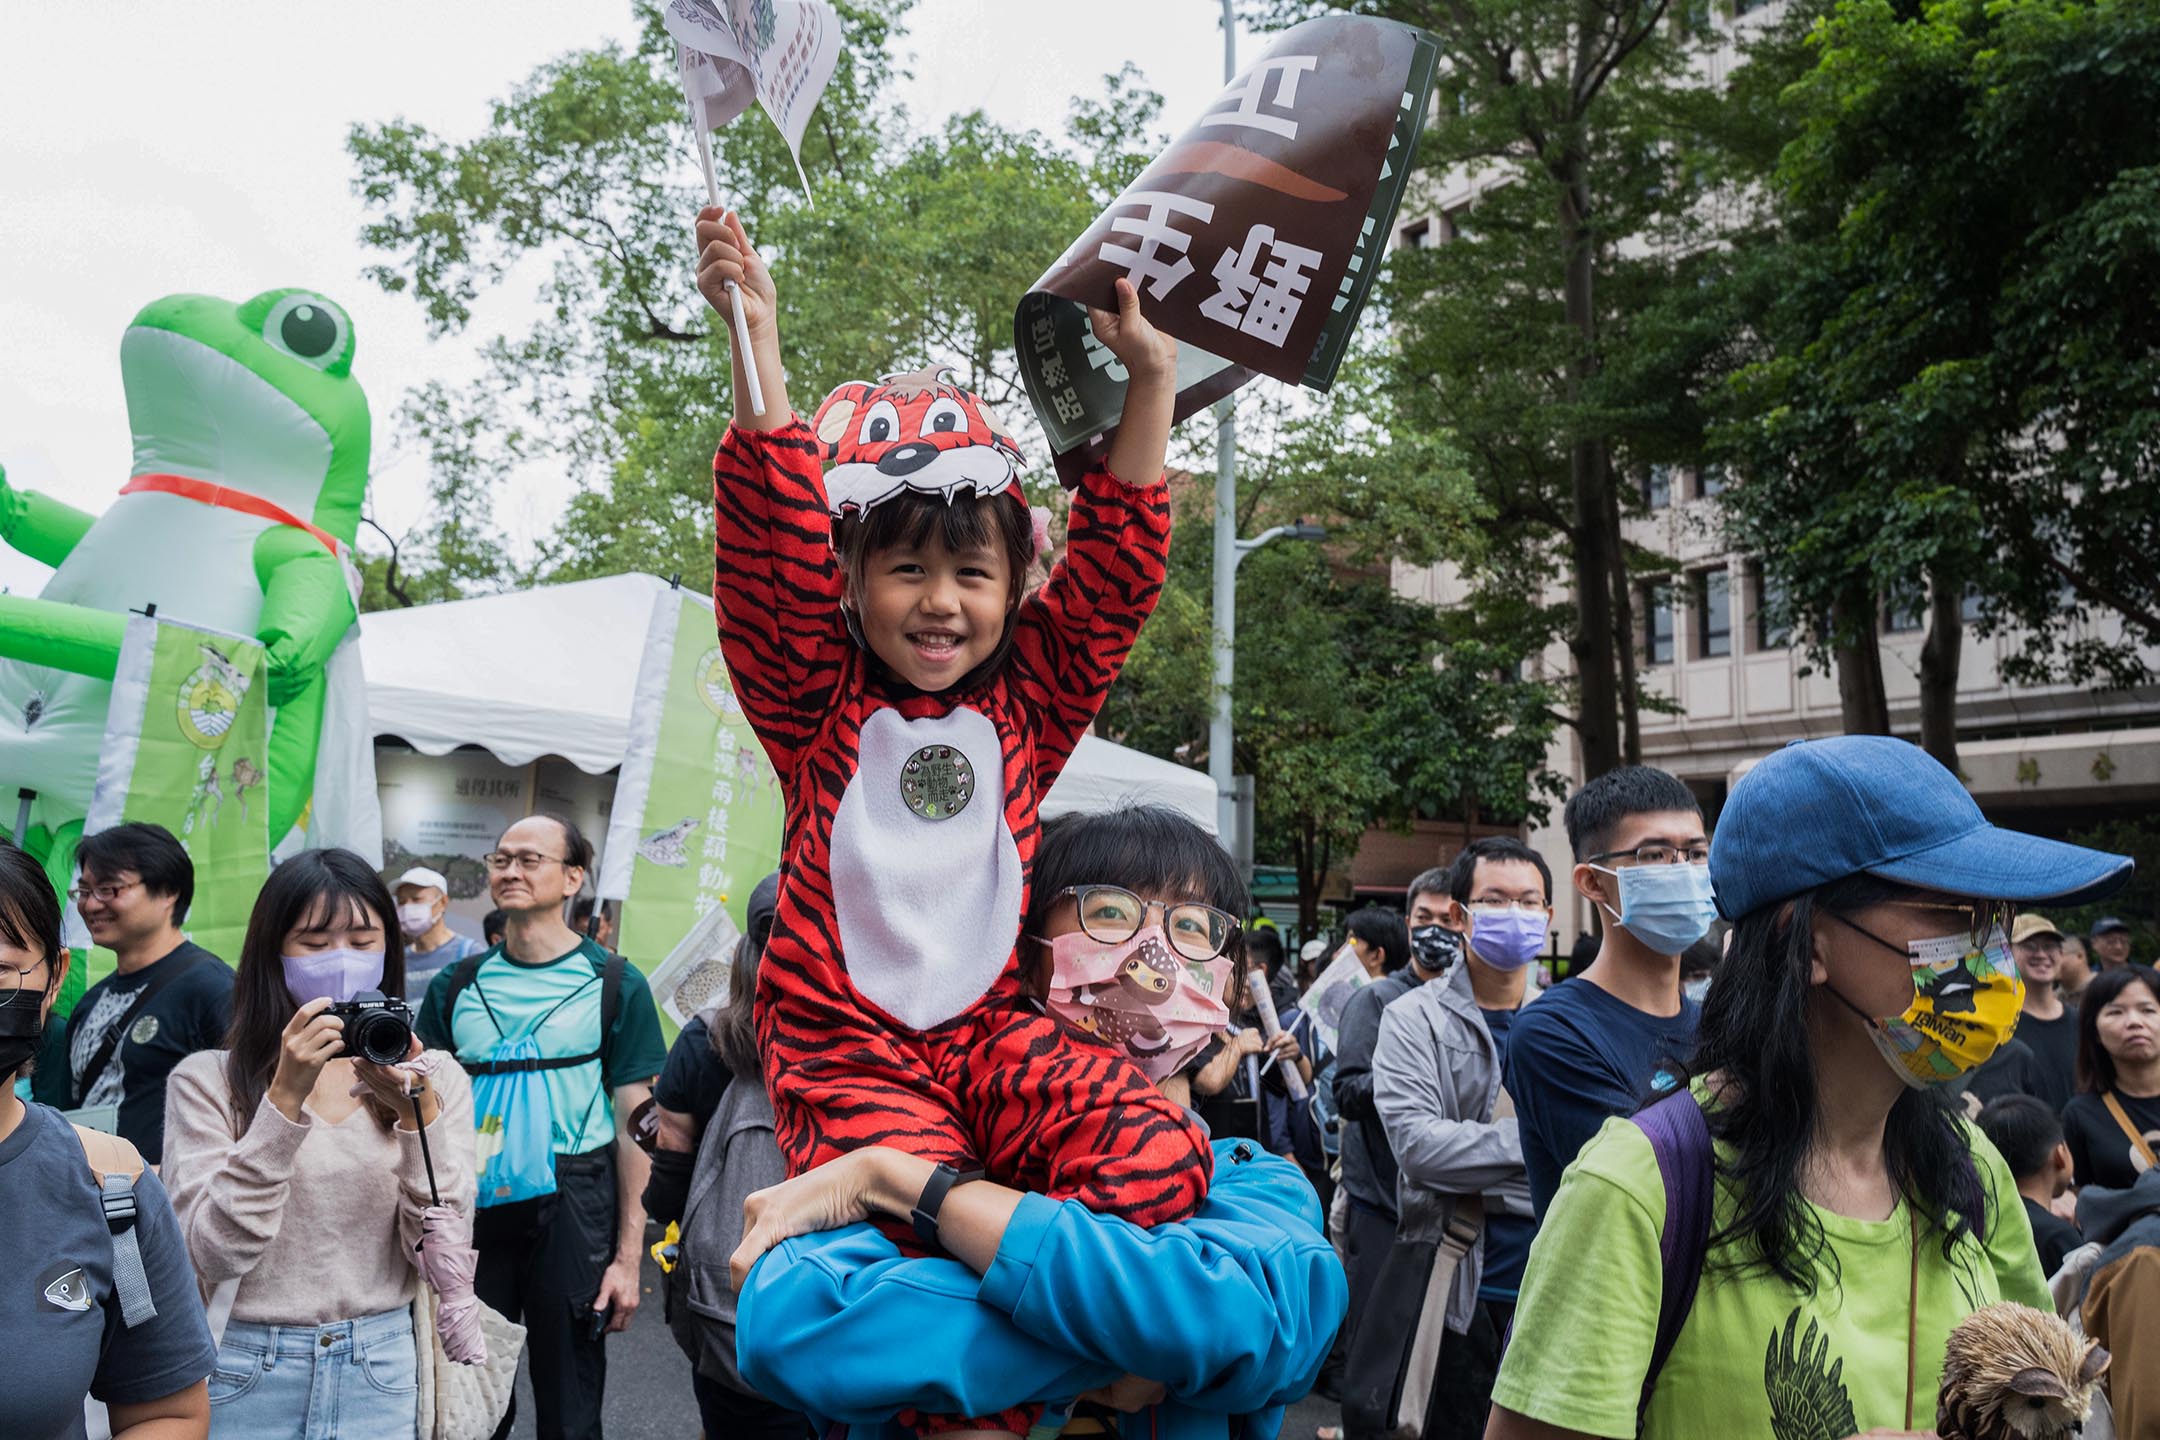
[928,907]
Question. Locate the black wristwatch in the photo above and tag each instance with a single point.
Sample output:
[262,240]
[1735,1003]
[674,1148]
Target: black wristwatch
[934,1191]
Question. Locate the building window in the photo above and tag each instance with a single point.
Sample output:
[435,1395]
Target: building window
[1904,614]
[1969,606]
[1710,480]
[1749,7]
[1771,633]
[1418,235]
[1657,607]
[1657,487]
[1713,614]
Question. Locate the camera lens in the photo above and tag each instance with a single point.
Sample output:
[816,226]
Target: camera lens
[382,1037]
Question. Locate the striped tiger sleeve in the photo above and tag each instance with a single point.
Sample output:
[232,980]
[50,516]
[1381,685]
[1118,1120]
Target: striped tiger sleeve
[776,585]
[1073,634]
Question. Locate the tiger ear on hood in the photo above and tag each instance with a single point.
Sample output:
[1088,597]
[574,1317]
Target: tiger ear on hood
[830,424]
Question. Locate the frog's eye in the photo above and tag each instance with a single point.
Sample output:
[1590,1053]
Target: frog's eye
[308,328]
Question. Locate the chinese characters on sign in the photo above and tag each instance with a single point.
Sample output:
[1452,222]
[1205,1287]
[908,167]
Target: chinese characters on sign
[1148,269]
[1250,240]
[1263,305]
[1248,93]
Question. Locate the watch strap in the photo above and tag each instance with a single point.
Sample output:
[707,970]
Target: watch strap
[940,1184]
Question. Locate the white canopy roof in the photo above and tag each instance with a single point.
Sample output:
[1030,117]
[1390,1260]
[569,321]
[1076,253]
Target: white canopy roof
[550,671]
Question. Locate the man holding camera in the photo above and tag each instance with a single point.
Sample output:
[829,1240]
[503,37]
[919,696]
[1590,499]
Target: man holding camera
[564,1262]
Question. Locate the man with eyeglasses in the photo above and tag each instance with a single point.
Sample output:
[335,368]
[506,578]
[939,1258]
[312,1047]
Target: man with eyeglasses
[1436,1083]
[564,1264]
[2048,1025]
[167,998]
[1599,1045]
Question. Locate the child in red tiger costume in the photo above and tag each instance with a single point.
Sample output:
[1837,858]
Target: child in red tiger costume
[881,644]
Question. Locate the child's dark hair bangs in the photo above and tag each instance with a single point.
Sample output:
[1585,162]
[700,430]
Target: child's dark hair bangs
[913,518]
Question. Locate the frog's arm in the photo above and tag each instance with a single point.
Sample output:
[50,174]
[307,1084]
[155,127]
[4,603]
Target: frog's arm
[38,525]
[61,636]
[295,739]
[306,609]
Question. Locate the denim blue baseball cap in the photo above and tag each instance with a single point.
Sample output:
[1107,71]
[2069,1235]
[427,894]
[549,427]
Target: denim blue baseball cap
[1820,810]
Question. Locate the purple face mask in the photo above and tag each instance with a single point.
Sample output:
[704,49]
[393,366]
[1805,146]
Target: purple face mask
[1508,939]
[337,975]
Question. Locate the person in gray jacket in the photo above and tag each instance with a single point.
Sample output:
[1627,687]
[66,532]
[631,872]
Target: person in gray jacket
[1436,1072]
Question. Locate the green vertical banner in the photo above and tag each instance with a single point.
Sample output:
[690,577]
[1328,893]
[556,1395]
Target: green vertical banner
[697,815]
[187,747]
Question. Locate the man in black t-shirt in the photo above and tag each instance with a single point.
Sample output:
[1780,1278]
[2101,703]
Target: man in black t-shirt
[168,998]
[2048,1025]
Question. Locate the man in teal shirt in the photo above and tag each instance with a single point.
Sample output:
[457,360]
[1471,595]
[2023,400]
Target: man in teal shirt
[564,1264]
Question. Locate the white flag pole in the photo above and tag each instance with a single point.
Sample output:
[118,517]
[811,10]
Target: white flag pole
[712,195]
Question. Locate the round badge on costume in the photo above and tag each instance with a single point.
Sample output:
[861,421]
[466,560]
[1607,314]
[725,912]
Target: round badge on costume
[145,1030]
[937,782]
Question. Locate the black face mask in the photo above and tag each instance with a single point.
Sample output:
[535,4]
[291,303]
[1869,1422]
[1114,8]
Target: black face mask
[1435,947]
[22,1026]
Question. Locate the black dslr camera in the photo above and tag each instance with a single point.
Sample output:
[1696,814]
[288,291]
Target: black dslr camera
[378,1027]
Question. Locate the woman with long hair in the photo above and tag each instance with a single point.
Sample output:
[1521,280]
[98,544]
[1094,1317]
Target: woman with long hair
[2113,1123]
[300,1170]
[1200,1328]
[1846,1218]
[71,1329]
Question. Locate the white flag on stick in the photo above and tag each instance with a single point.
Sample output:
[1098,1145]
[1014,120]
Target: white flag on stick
[778,52]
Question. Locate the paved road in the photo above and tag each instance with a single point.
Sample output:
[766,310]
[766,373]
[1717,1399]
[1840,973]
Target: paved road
[648,1393]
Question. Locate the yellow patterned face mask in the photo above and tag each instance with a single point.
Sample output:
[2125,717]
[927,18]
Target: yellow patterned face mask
[1966,1000]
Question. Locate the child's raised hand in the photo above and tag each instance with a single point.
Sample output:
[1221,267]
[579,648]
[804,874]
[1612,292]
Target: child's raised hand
[724,254]
[1144,351]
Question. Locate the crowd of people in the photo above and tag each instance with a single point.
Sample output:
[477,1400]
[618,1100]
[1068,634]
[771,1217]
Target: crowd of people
[1014,1127]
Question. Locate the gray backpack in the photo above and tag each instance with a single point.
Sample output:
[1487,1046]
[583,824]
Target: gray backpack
[737,1156]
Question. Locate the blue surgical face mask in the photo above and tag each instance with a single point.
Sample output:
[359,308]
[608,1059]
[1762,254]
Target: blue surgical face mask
[1667,907]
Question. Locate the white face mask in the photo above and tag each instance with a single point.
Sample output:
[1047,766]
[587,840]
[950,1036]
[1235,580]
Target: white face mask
[416,919]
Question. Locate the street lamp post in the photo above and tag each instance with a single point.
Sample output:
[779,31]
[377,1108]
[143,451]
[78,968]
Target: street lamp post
[1219,732]
[1227,555]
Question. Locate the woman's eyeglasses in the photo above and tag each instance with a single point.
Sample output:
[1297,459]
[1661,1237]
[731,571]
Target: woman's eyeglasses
[1113,915]
[1982,917]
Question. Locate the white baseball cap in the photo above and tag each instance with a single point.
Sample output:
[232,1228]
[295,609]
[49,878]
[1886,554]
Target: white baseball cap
[421,875]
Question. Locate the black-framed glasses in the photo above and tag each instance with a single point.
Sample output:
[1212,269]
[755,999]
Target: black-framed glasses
[1655,853]
[103,894]
[524,860]
[1112,915]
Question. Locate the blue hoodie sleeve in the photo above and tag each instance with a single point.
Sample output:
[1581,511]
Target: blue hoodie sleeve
[842,1327]
[1233,1311]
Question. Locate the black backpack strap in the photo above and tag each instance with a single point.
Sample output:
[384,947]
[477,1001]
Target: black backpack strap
[1679,1135]
[462,973]
[162,975]
[610,1006]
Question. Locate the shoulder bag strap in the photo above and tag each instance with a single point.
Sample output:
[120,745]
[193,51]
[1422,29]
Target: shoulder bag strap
[1679,1135]
[2122,1118]
[160,977]
[116,1165]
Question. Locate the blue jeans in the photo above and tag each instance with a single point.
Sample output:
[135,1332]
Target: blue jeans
[354,1380]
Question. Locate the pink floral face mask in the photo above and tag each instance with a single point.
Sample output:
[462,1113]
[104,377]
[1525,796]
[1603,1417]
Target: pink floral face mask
[1140,997]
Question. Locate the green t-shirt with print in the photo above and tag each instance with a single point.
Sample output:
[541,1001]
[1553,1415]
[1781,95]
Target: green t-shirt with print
[558,1002]
[1756,1356]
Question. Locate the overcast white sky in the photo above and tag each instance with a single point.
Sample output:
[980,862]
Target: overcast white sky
[198,145]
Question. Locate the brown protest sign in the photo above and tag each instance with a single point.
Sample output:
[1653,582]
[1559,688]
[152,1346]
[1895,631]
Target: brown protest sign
[1253,239]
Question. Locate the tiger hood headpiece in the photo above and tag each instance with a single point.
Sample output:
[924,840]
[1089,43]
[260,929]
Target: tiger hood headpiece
[917,431]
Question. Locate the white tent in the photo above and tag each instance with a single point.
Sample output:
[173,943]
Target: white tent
[550,672]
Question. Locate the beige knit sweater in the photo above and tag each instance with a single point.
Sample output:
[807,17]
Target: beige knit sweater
[319,1220]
